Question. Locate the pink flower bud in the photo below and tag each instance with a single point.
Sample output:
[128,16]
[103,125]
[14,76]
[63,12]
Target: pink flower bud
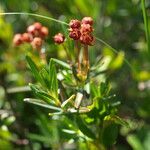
[17,40]
[37,43]
[87,20]
[31,29]
[86,28]
[87,39]
[44,32]
[59,38]
[75,23]
[37,25]
[27,37]
[74,34]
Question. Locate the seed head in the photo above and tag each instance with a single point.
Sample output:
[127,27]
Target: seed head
[44,32]
[75,24]
[59,38]
[37,43]
[87,20]
[31,29]
[37,25]
[27,37]
[74,34]
[17,40]
[86,28]
[87,39]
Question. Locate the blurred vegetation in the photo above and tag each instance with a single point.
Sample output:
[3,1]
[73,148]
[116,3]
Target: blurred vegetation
[119,23]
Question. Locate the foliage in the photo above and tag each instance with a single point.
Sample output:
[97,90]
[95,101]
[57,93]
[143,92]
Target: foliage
[114,112]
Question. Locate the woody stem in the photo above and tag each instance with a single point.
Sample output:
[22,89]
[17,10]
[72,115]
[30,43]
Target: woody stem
[86,56]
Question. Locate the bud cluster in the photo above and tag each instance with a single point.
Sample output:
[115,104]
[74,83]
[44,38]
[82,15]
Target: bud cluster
[59,38]
[82,30]
[35,35]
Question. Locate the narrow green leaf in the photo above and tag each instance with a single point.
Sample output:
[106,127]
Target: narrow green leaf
[68,131]
[45,76]
[62,63]
[18,89]
[84,129]
[38,137]
[34,69]
[117,120]
[53,79]
[41,103]
[42,94]
[146,25]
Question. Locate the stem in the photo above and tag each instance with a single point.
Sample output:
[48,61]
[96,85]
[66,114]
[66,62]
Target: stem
[146,25]
[86,56]
[35,15]
[43,57]
[78,55]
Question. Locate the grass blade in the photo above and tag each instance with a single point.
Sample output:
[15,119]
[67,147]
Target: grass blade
[146,25]
[35,15]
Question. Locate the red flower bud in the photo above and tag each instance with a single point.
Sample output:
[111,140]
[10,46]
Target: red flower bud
[75,23]
[44,32]
[37,43]
[87,39]
[31,29]
[17,40]
[86,28]
[87,20]
[37,25]
[27,37]
[59,38]
[74,34]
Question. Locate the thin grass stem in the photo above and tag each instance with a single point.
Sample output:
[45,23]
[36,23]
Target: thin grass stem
[35,15]
[147,34]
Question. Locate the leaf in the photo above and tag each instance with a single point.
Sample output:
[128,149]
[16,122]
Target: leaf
[118,61]
[135,142]
[34,69]
[84,129]
[62,63]
[41,103]
[109,134]
[53,79]
[104,88]
[68,131]
[18,89]
[117,120]
[45,76]
[42,95]
[38,138]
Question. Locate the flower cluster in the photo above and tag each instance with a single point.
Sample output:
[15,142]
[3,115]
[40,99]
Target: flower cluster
[82,30]
[35,35]
[59,38]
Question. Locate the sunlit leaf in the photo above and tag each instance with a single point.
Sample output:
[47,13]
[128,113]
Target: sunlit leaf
[41,103]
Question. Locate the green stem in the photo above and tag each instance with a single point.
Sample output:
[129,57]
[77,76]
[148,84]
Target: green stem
[146,25]
[35,15]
